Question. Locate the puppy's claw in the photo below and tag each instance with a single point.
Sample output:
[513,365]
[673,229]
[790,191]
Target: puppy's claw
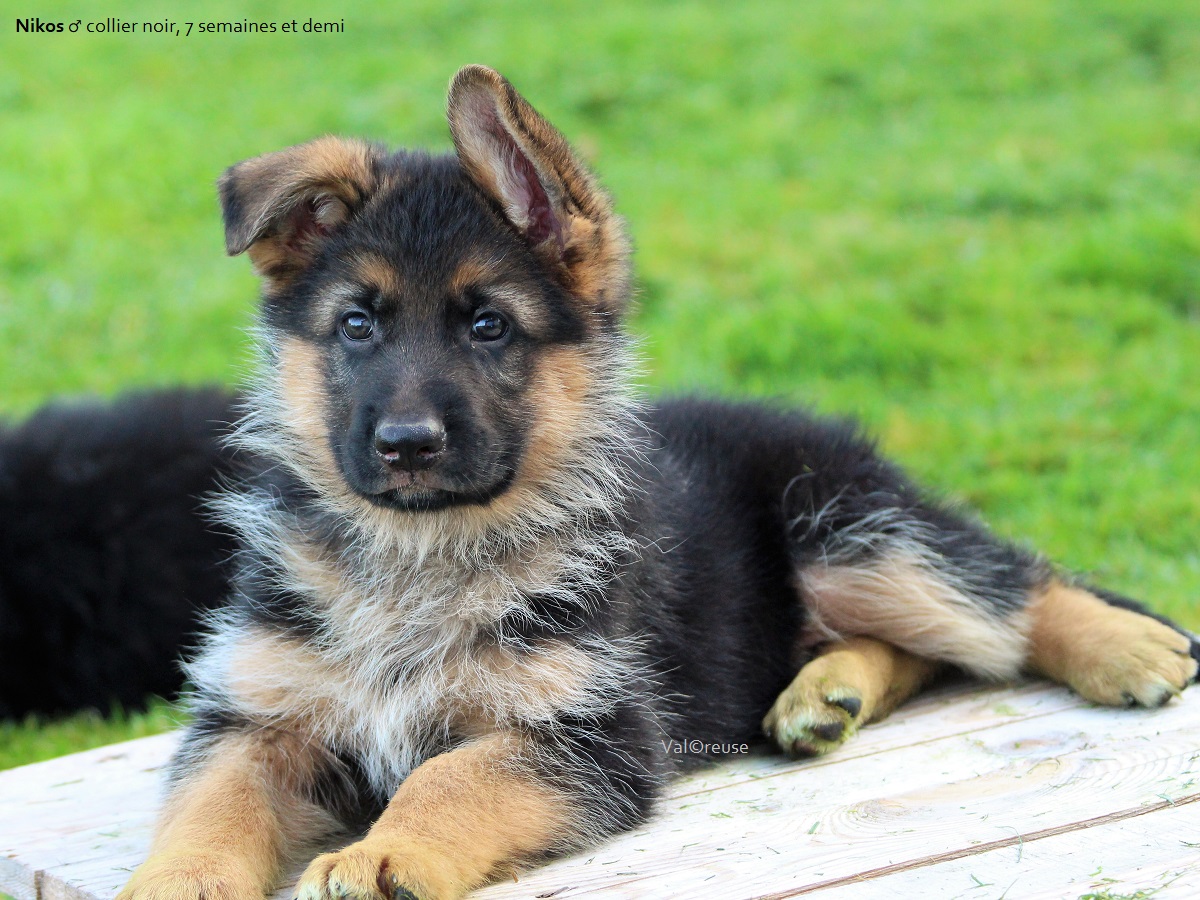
[851,704]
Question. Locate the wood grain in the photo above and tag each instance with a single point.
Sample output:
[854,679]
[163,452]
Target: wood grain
[1024,786]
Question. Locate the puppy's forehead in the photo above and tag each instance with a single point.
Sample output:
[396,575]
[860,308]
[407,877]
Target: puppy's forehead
[431,227]
[426,239]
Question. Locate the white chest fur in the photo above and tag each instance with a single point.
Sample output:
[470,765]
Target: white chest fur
[399,658]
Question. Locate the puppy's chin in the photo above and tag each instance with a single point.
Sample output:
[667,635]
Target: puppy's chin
[423,493]
[414,499]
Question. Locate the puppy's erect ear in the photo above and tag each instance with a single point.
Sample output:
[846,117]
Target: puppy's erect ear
[281,206]
[522,162]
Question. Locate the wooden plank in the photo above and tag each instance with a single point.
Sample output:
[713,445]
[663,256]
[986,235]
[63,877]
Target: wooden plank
[88,818]
[17,880]
[955,777]
[957,795]
[956,709]
[1156,853]
[81,822]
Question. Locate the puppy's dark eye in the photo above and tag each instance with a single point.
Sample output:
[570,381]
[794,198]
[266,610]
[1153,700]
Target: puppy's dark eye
[489,326]
[357,326]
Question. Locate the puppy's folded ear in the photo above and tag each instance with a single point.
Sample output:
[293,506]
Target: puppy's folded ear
[521,161]
[283,205]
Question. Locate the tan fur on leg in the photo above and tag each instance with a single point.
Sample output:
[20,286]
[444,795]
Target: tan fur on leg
[849,684]
[1107,654]
[226,829]
[460,819]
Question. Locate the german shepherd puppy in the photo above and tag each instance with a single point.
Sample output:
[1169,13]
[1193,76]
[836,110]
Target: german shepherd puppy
[483,589]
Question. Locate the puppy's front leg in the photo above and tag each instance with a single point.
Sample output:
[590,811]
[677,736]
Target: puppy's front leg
[457,821]
[238,810]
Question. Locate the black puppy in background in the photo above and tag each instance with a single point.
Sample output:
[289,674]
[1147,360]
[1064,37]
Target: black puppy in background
[106,556]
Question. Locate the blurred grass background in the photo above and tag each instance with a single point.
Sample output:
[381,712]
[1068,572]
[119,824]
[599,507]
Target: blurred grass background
[974,225]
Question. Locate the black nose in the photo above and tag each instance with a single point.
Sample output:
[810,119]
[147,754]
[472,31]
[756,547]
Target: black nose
[410,444]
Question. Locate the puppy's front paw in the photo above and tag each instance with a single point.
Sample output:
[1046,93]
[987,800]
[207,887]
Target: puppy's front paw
[193,877]
[371,870]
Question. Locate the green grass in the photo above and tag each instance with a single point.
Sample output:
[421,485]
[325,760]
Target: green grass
[974,225]
[34,739]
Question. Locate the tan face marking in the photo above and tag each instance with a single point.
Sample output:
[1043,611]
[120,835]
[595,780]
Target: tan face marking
[302,388]
[560,388]
[371,274]
[470,273]
[374,271]
[484,277]
[302,396]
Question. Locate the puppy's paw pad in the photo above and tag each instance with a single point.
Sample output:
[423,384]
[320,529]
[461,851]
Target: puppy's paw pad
[806,721]
[362,872]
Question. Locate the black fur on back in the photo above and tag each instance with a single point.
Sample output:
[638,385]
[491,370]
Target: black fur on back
[106,557]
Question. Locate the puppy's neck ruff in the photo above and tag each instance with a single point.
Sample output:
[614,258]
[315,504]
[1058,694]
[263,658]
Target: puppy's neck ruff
[393,592]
